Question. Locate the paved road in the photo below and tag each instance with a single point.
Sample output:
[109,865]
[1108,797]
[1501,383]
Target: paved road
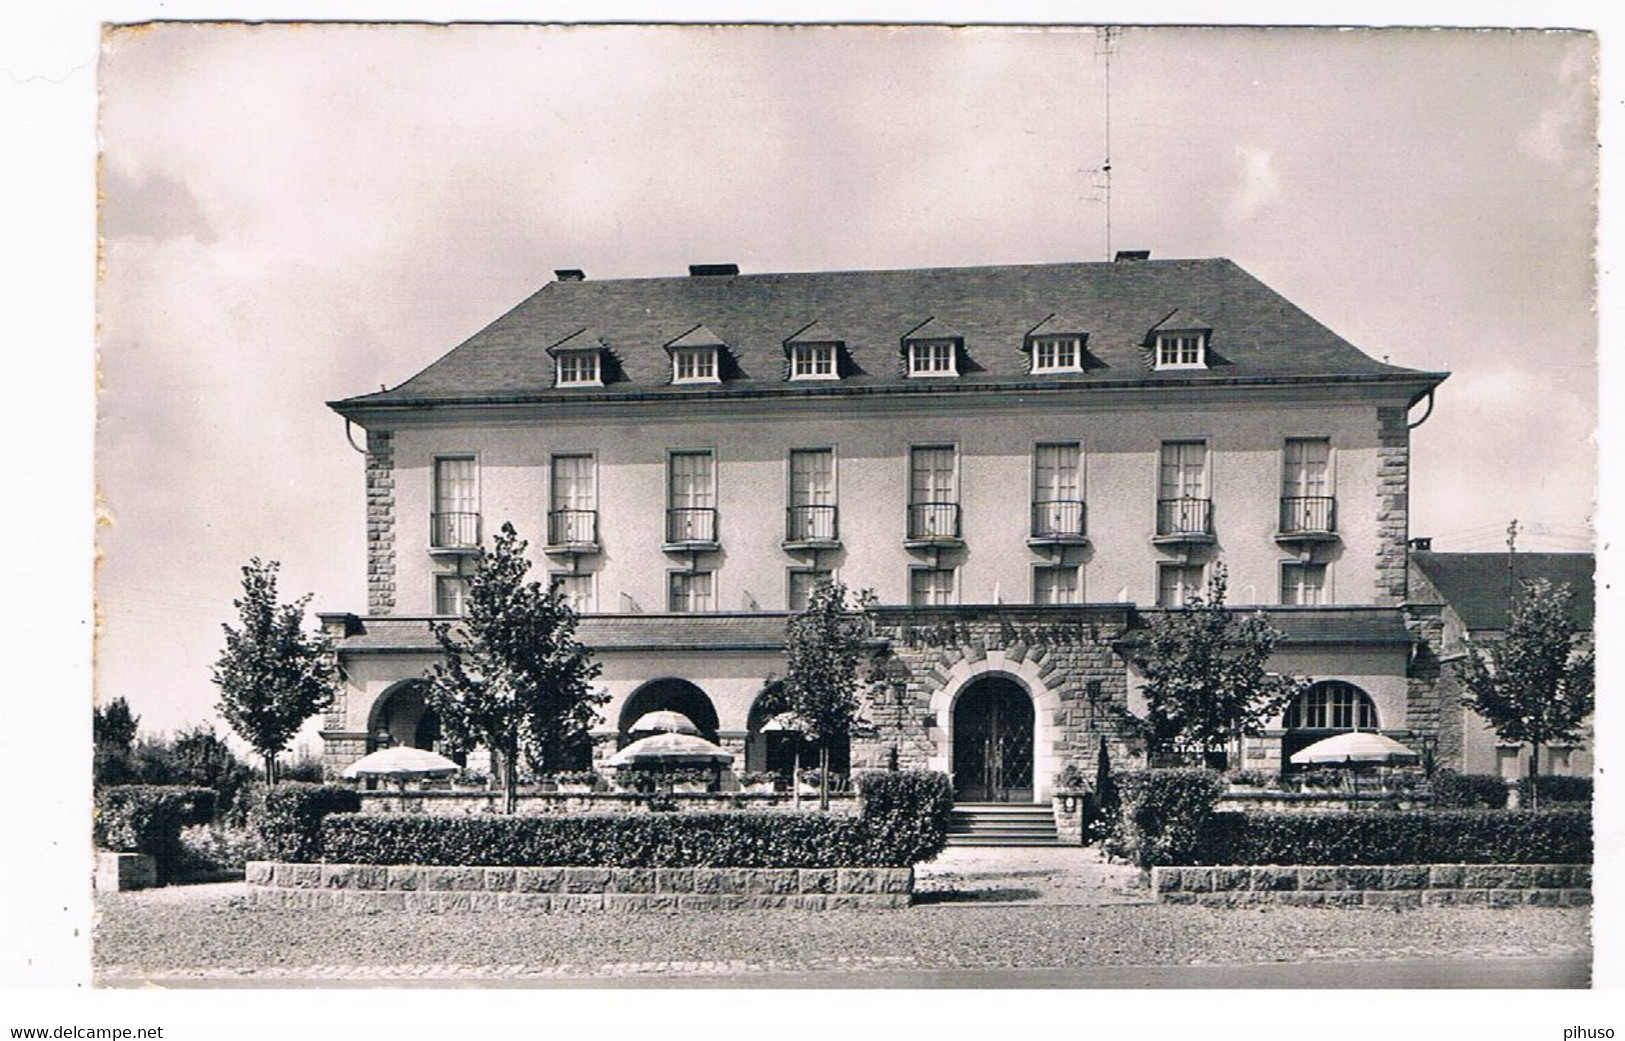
[1500,974]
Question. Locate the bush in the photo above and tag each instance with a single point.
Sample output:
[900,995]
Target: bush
[1253,778]
[907,812]
[287,818]
[1555,790]
[1467,791]
[603,840]
[575,777]
[146,818]
[213,848]
[1163,814]
[1392,837]
[1072,778]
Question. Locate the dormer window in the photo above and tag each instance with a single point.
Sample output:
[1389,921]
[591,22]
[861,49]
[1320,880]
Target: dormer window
[932,358]
[813,361]
[579,369]
[1057,354]
[1185,350]
[694,365]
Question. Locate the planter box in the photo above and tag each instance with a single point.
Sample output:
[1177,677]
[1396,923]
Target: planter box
[117,872]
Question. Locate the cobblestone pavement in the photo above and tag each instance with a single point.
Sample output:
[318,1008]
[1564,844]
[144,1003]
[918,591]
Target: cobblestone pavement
[980,911]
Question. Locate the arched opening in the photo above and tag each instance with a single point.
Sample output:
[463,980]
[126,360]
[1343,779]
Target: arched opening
[672,695]
[402,717]
[771,747]
[993,742]
[1326,708]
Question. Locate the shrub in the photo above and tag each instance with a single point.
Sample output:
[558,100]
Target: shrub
[602,840]
[305,767]
[1072,778]
[1393,837]
[1163,814]
[1252,778]
[907,813]
[146,818]
[212,848]
[1466,791]
[577,777]
[287,818]
[1555,790]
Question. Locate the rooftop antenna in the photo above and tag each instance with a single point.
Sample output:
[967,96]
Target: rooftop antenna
[1105,47]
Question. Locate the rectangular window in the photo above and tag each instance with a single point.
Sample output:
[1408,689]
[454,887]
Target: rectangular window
[692,497]
[450,594]
[1181,351]
[1303,585]
[692,592]
[930,586]
[1183,473]
[694,365]
[1056,584]
[803,581]
[1176,583]
[933,492]
[932,358]
[576,589]
[456,503]
[812,494]
[578,369]
[1057,354]
[812,361]
[1058,489]
[1307,472]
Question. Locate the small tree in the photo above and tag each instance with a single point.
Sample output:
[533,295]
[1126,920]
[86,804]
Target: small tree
[272,675]
[113,732]
[826,672]
[1206,681]
[1108,803]
[514,677]
[1534,686]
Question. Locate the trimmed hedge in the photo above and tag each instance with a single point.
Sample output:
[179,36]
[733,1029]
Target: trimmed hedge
[147,818]
[907,813]
[1393,837]
[1453,791]
[1555,790]
[288,816]
[905,820]
[1163,815]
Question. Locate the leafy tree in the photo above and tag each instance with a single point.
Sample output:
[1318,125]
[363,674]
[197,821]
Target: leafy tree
[1535,685]
[113,732]
[514,678]
[1206,681]
[272,675]
[827,672]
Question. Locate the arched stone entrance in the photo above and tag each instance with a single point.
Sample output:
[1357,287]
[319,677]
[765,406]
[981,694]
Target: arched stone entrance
[401,717]
[669,694]
[1043,690]
[993,736]
[769,749]
[1326,708]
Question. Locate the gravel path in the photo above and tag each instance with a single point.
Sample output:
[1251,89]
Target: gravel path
[217,936]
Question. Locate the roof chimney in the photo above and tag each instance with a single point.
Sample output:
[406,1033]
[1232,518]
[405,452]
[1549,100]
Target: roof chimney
[1422,544]
[698,270]
[570,274]
[1129,256]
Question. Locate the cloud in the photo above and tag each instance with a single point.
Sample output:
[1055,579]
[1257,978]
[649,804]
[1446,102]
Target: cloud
[1258,183]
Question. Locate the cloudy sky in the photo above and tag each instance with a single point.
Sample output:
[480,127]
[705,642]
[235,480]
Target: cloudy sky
[292,215]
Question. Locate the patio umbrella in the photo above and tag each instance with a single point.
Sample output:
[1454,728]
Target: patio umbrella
[782,721]
[1359,746]
[670,749]
[400,763]
[666,721]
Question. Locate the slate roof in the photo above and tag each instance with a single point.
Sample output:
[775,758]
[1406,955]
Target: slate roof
[1256,332]
[709,632]
[1319,626]
[1476,584]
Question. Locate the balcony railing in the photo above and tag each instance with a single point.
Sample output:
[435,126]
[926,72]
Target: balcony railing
[812,523]
[1058,519]
[454,531]
[933,521]
[1308,515]
[691,525]
[1184,518]
[572,528]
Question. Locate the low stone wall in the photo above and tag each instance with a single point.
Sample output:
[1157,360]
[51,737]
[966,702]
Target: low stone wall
[117,872]
[1403,885]
[547,804]
[1262,801]
[430,889]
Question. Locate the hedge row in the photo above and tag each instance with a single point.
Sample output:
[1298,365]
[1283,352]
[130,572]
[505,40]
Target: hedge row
[1163,815]
[288,817]
[1394,837]
[1453,791]
[905,820]
[1556,790]
[147,818]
